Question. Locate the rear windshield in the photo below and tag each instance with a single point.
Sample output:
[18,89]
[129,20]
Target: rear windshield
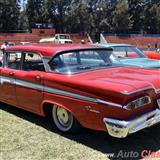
[80,61]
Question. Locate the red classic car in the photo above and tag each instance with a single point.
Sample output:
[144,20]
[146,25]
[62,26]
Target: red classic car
[153,54]
[80,86]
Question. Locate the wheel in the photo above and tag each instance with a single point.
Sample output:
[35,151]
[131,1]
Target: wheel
[64,120]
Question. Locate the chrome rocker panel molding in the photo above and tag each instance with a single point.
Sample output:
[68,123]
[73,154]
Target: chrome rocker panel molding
[120,128]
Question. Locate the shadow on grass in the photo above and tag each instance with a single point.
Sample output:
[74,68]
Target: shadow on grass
[129,148]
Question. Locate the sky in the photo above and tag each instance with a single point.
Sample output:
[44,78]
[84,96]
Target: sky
[22,3]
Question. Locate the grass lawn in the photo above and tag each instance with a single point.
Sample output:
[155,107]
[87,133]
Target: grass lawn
[25,136]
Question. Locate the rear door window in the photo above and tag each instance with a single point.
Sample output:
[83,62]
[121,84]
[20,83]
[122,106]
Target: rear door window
[13,60]
[32,62]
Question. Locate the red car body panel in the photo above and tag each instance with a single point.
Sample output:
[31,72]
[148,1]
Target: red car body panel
[152,54]
[111,85]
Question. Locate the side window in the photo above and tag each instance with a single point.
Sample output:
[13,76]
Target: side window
[125,52]
[69,58]
[13,60]
[91,58]
[32,62]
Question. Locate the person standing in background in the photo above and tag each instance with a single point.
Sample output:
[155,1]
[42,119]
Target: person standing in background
[4,46]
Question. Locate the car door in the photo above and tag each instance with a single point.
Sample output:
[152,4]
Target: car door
[12,62]
[29,82]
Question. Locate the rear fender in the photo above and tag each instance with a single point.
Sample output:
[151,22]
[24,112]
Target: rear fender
[53,103]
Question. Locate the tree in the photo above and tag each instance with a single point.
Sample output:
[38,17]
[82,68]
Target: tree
[34,11]
[78,17]
[57,11]
[88,16]
[136,9]
[152,24]
[121,19]
[23,23]
[9,12]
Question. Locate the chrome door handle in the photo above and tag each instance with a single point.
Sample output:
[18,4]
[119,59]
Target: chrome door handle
[38,78]
[12,73]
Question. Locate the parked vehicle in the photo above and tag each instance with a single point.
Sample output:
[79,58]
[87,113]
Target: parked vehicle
[130,55]
[80,86]
[153,54]
[11,43]
[24,43]
[58,38]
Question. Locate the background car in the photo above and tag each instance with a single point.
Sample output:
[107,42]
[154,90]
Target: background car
[11,43]
[130,55]
[57,39]
[24,43]
[153,54]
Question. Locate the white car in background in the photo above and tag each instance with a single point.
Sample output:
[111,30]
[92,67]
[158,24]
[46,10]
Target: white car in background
[57,39]
[24,43]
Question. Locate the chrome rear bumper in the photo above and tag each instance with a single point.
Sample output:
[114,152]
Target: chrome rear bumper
[120,128]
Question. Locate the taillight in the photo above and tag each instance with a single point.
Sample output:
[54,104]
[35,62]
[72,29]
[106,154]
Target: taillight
[138,103]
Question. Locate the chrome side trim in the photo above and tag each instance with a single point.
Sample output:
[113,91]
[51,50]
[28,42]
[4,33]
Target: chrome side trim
[6,80]
[109,103]
[69,94]
[29,85]
[121,128]
[40,87]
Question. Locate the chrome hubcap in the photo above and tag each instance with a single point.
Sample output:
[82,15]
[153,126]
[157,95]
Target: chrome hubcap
[63,116]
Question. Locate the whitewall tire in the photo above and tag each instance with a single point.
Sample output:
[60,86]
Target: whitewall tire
[64,120]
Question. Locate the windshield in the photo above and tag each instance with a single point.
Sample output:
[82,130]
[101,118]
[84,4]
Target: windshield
[80,61]
[122,52]
[64,37]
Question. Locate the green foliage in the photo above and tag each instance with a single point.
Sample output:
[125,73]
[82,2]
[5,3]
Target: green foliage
[78,17]
[34,11]
[9,12]
[23,23]
[121,18]
[88,16]
[136,10]
[152,24]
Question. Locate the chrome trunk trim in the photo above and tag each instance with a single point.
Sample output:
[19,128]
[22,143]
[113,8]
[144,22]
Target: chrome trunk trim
[157,91]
